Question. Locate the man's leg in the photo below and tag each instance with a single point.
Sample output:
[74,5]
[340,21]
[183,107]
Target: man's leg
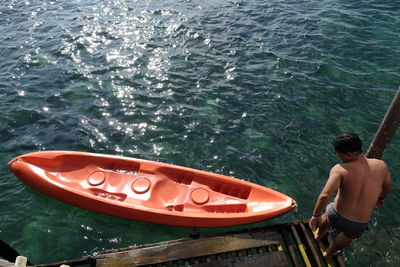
[323,228]
[340,242]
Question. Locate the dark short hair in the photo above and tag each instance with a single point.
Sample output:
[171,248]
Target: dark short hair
[348,142]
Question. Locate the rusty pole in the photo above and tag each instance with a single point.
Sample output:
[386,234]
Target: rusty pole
[386,130]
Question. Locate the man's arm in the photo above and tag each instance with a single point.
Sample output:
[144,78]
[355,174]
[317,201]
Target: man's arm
[331,186]
[386,188]
[387,185]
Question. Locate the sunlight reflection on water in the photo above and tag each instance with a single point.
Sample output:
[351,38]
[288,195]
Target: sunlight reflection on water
[245,88]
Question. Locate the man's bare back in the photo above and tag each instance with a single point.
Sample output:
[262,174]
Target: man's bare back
[361,185]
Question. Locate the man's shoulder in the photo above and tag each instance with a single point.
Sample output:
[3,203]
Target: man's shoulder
[338,168]
[377,163]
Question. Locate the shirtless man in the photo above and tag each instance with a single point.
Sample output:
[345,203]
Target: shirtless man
[361,184]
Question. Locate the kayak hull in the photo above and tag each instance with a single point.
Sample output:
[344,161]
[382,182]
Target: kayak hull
[148,191]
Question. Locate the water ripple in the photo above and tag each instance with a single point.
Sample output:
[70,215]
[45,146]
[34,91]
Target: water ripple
[245,88]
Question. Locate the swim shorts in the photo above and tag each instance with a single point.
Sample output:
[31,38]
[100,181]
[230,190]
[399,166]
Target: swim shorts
[350,228]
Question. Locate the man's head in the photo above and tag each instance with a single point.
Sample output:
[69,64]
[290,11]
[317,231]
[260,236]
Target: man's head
[347,143]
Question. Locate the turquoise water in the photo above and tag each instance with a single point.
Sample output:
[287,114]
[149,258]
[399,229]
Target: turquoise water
[251,89]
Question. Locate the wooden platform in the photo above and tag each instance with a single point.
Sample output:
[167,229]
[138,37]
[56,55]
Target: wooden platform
[290,244]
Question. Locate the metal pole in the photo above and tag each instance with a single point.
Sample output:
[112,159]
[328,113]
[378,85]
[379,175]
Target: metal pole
[386,130]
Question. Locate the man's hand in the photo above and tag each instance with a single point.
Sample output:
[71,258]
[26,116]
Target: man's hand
[314,223]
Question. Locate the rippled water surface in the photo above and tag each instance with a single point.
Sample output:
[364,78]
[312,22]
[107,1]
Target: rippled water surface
[252,89]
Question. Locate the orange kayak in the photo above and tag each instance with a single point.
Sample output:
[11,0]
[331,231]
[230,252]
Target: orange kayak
[148,191]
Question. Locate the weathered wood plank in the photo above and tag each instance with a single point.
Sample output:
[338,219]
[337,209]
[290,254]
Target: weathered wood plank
[88,261]
[311,245]
[301,246]
[271,259]
[4,263]
[186,249]
[289,244]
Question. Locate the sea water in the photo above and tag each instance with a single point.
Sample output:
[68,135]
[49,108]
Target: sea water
[251,89]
